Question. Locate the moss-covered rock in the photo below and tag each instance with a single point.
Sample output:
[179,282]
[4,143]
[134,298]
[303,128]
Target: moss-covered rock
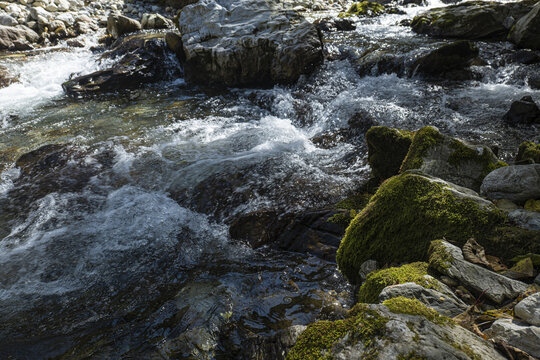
[450,159]
[403,305]
[470,20]
[378,280]
[364,8]
[387,148]
[406,213]
[528,152]
[354,204]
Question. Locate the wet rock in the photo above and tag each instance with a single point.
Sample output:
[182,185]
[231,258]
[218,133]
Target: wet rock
[445,303]
[528,152]
[524,111]
[174,42]
[525,219]
[528,309]
[525,32]
[450,159]
[526,57]
[274,347]
[155,21]
[310,231]
[470,20]
[251,43]
[517,334]
[387,148]
[139,60]
[534,82]
[392,228]
[451,57]
[118,25]
[400,328]
[6,79]
[335,24]
[365,8]
[448,259]
[517,183]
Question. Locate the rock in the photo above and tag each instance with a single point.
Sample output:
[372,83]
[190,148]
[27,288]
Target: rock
[448,259]
[524,111]
[38,12]
[517,334]
[525,32]
[505,205]
[155,21]
[526,57]
[528,309]
[179,4]
[7,20]
[85,25]
[246,43]
[451,57]
[392,228]
[446,303]
[524,269]
[6,79]
[517,183]
[534,82]
[365,8]
[118,25]
[528,152]
[532,205]
[470,20]
[335,24]
[174,42]
[139,59]
[12,38]
[450,159]
[367,268]
[537,280]
[387,148]
[525,219]
[399,329]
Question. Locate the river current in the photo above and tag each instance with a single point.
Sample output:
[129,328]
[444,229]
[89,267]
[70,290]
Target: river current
[123,249]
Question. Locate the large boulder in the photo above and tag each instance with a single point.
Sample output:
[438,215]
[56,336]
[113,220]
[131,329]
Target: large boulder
[448,259]
[387,148]
[524,111]
[400,328]
[139,59]
[447,58]
[450,159]
[406,213]
[118,25]
[517,183]
[525,32]
[246,43]
[471,19]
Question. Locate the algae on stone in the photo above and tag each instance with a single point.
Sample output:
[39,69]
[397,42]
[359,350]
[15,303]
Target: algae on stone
[364,8]
[528,151]
[387,147]
[403,305]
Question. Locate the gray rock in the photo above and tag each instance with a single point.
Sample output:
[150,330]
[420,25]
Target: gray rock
[496,287]
[517,334]
[446,303]
[367,267]
[118,25]
[248,42]
[155,21]
[7,20]
[526,30]
[537,280]
[517,183]
[36,12]
[528,309]
[526,219]
[12,38]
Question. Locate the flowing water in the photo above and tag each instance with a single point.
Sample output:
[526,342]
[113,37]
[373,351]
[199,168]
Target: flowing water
[118,245]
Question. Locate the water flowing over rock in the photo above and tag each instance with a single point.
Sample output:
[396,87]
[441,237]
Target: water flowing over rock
[448,259]
[252,42]
[517,183]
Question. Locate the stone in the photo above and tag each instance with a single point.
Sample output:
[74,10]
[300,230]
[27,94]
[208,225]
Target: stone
[6,78]
[505,205]
[526,57]
[118,25]
[8,20]
[524,111]
[532,205]
[525,32]
[517,183]
[448,260]
[446,303]
[12,38]
[450,159]
[36,12]
[450,57]
[528,309]
[529,152]
[246,43]
[155,21]
[518,334]
[525,219]
[366,268]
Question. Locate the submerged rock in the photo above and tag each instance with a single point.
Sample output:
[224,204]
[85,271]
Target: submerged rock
[247,43]
[448,259]
[400,328]
[450,159]
[525,32]
[517,334]
[517,183]
[470,20]
[524,111]
[406,213]
[139,60]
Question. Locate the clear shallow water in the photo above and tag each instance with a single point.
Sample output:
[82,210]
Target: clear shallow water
[123,247]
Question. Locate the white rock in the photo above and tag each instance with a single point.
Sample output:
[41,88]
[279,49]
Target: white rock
[35,12]
[517,334]
[528,309]
[67,18]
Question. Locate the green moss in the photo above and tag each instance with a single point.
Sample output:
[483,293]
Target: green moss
[508,242]
[364,8]
[466,350]
[316,342]
[535,258]
[403,305]
[439,258]
[354,204]
[378,280]
[342,219]
[387,148]
[404,216]
[528,151]
[424,139]
[411,356]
